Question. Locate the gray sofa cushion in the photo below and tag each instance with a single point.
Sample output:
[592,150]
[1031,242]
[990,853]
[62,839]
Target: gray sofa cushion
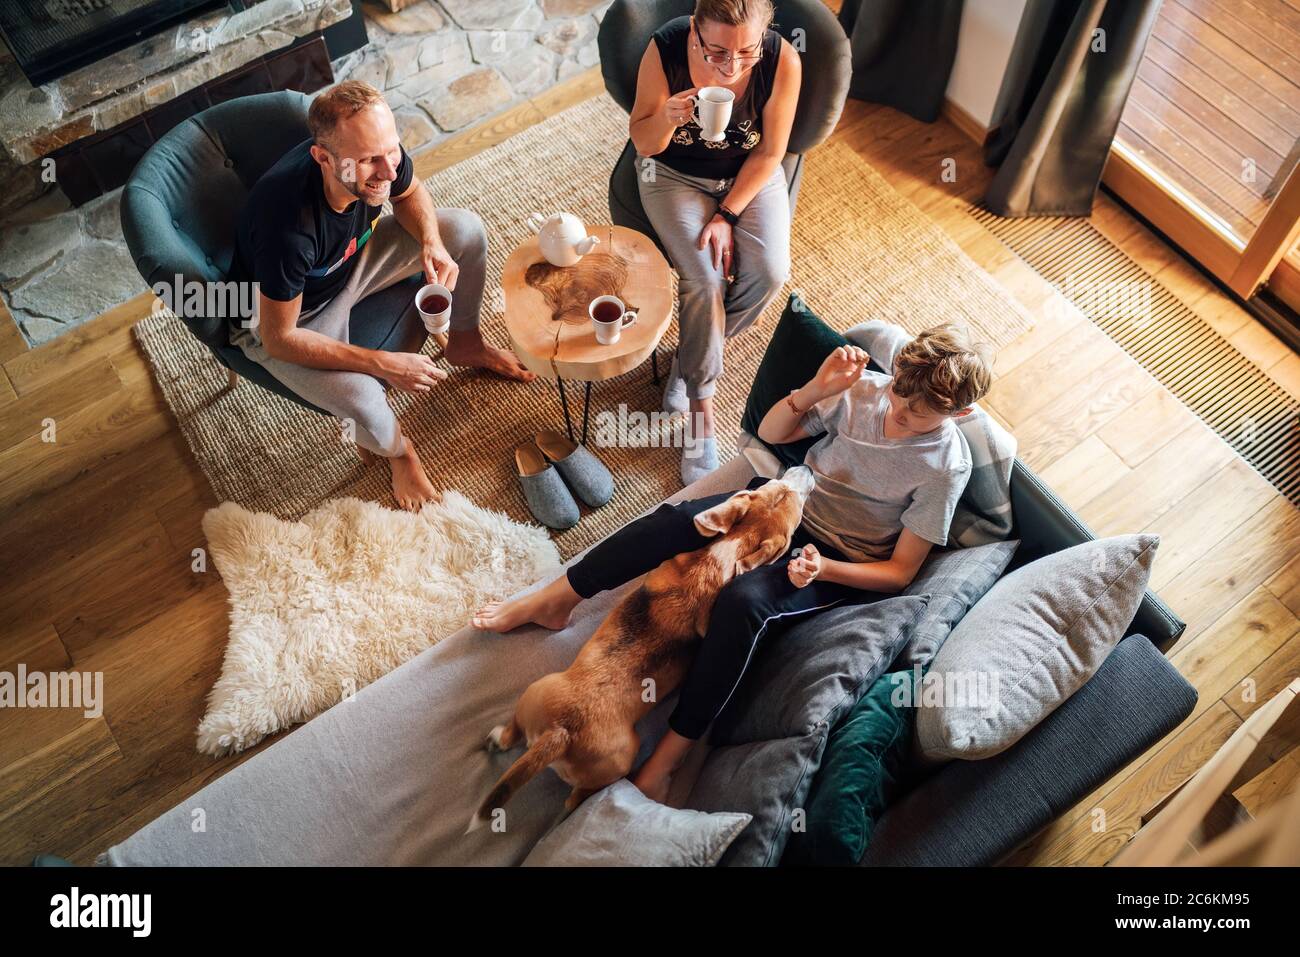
[621,827]
[768,742]
[1032,641]
[972,813]
[955,580]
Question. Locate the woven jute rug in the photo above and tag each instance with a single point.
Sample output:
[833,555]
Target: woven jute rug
[860,251]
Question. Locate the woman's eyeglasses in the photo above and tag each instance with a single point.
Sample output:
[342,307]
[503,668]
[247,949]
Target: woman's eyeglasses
[725,59]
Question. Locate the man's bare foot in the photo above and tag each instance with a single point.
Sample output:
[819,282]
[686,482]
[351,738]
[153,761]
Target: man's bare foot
[549,607]
[469,349]
[411,486]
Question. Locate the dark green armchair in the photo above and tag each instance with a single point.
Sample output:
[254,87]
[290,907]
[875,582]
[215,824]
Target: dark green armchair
[180,212]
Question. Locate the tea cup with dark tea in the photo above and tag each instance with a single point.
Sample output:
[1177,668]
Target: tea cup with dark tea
[609,317]
[434,305]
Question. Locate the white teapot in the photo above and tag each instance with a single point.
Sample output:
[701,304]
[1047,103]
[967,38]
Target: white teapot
[562,238]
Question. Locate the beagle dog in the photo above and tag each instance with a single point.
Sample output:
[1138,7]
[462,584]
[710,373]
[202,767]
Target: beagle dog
[581,721]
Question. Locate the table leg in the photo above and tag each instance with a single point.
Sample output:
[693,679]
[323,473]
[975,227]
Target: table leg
[654,364]
[586,409]
[564,403]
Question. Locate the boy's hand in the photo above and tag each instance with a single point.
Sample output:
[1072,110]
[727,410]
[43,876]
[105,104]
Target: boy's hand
[805,567]
[841,369]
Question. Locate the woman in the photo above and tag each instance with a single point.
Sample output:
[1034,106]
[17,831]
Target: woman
[722,210]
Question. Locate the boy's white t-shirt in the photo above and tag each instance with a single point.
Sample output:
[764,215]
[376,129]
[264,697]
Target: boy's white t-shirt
[870,487]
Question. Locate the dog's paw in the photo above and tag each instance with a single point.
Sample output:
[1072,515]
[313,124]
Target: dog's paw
[493,743]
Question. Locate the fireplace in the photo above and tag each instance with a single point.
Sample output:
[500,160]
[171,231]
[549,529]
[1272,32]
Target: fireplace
[50,38]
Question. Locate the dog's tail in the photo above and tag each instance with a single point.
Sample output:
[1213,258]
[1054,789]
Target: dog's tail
[548,747]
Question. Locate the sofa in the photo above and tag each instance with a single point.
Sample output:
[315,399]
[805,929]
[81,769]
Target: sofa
[392,776]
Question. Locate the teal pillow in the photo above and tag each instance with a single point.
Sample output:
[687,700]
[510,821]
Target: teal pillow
[860,775]
[799,345]
[767,744]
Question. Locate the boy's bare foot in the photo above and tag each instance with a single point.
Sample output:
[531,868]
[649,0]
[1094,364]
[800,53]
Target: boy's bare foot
[655,777]
[652,784]
[467,348]
[411,486]
[549,607]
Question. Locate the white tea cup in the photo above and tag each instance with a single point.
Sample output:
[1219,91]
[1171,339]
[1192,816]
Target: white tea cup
[713,111]
[436,320]
[614,318]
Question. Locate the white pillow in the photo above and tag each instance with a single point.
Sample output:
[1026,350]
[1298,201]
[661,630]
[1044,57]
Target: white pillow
[621,827]
[1033,640]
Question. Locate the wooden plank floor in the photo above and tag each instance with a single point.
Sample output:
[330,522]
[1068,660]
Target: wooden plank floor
[97,528]
[1216,103]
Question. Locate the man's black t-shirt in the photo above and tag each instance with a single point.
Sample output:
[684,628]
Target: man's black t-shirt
[291,241]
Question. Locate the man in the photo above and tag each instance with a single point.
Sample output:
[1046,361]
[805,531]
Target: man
[314,239]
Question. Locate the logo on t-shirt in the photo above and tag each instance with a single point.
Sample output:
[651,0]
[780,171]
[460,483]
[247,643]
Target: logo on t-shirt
[354,244]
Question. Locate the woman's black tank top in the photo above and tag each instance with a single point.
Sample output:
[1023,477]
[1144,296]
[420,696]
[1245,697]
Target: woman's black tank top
[688,152]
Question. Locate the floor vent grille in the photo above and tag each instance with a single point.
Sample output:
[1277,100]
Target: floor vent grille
[1183,352]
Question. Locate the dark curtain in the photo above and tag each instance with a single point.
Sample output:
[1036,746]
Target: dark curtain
[1060,103]
[902,52]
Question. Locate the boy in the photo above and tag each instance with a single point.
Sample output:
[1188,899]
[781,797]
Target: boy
[889,471]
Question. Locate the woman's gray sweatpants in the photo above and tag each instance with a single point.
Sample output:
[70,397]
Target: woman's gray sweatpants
[391,255]
[709,309]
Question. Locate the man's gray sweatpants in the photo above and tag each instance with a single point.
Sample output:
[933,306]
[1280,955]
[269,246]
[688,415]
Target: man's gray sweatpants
[390,256]
[709,310]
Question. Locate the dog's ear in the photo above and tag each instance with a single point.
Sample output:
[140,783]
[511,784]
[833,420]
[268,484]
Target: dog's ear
[767,550]
[720,519]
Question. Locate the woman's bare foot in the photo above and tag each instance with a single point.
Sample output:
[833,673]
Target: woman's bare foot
[467,348]
[549,607]
[411,486]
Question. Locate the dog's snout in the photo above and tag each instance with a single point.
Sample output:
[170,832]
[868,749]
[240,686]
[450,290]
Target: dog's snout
[800,479]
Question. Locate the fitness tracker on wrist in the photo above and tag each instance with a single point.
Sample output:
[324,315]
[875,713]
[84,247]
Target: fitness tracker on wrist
[728,215]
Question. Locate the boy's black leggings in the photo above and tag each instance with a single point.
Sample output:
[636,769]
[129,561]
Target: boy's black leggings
[742,614]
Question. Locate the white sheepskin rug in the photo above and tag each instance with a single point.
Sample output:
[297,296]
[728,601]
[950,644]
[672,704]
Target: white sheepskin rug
[321,607]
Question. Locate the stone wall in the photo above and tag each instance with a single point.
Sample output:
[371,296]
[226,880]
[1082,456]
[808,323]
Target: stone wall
[443,65]
[35,121]
[446,65]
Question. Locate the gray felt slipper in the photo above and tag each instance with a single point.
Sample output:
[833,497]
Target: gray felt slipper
[584,473]
[548,497]
[699,458]
[675,400]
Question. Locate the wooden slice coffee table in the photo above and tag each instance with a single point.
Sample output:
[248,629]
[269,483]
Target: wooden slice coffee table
[546,310]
